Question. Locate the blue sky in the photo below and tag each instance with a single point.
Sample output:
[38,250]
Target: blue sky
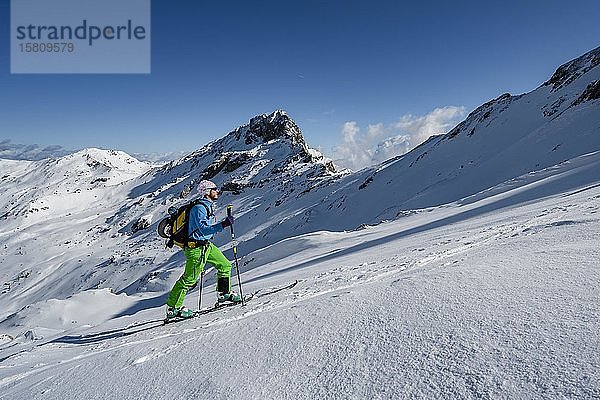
[338,68]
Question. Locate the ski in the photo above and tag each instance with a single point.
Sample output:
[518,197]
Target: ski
[218,306]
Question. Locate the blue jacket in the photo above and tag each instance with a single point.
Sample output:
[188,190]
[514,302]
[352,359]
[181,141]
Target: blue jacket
[201,226]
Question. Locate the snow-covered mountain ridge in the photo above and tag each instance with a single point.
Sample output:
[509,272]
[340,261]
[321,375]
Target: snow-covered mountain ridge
[502,139]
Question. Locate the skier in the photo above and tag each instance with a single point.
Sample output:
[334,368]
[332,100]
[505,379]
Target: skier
[201,229]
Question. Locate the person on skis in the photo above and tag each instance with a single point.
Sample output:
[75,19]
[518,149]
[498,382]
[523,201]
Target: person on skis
[201,229]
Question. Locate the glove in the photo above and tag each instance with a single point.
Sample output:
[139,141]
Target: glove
[227,222]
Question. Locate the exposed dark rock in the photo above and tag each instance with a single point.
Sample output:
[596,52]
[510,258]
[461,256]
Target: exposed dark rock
[592,92]
[217,166]
[366,183]
[233,187]
[567,73]
[140,224]
[236,161]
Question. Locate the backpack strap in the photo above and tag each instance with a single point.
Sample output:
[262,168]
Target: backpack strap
[208,209]
[208,212]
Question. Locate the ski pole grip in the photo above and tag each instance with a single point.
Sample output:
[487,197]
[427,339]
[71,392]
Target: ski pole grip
[229,207]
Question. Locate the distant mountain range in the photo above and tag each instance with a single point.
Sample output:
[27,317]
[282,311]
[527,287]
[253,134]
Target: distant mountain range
[36,152]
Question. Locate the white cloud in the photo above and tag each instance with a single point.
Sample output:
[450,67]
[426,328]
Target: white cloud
[350,130]
[391,147]
[351,153]
[440,120]
[382,142]
[376,131]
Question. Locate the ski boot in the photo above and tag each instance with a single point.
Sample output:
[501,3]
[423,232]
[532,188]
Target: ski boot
[224,293]
[231,297]
[181,312]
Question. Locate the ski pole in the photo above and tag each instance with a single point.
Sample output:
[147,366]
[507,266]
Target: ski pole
[237,266]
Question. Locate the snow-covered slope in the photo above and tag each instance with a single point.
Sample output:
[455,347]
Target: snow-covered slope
[54,227]
[449,302]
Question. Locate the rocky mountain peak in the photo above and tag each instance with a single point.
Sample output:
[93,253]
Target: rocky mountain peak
[267,151]
[570,71]
[267,127]
[271,142]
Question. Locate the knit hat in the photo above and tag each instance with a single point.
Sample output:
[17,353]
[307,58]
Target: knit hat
[204,187]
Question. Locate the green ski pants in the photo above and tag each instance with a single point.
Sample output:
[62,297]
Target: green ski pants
[194,265]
